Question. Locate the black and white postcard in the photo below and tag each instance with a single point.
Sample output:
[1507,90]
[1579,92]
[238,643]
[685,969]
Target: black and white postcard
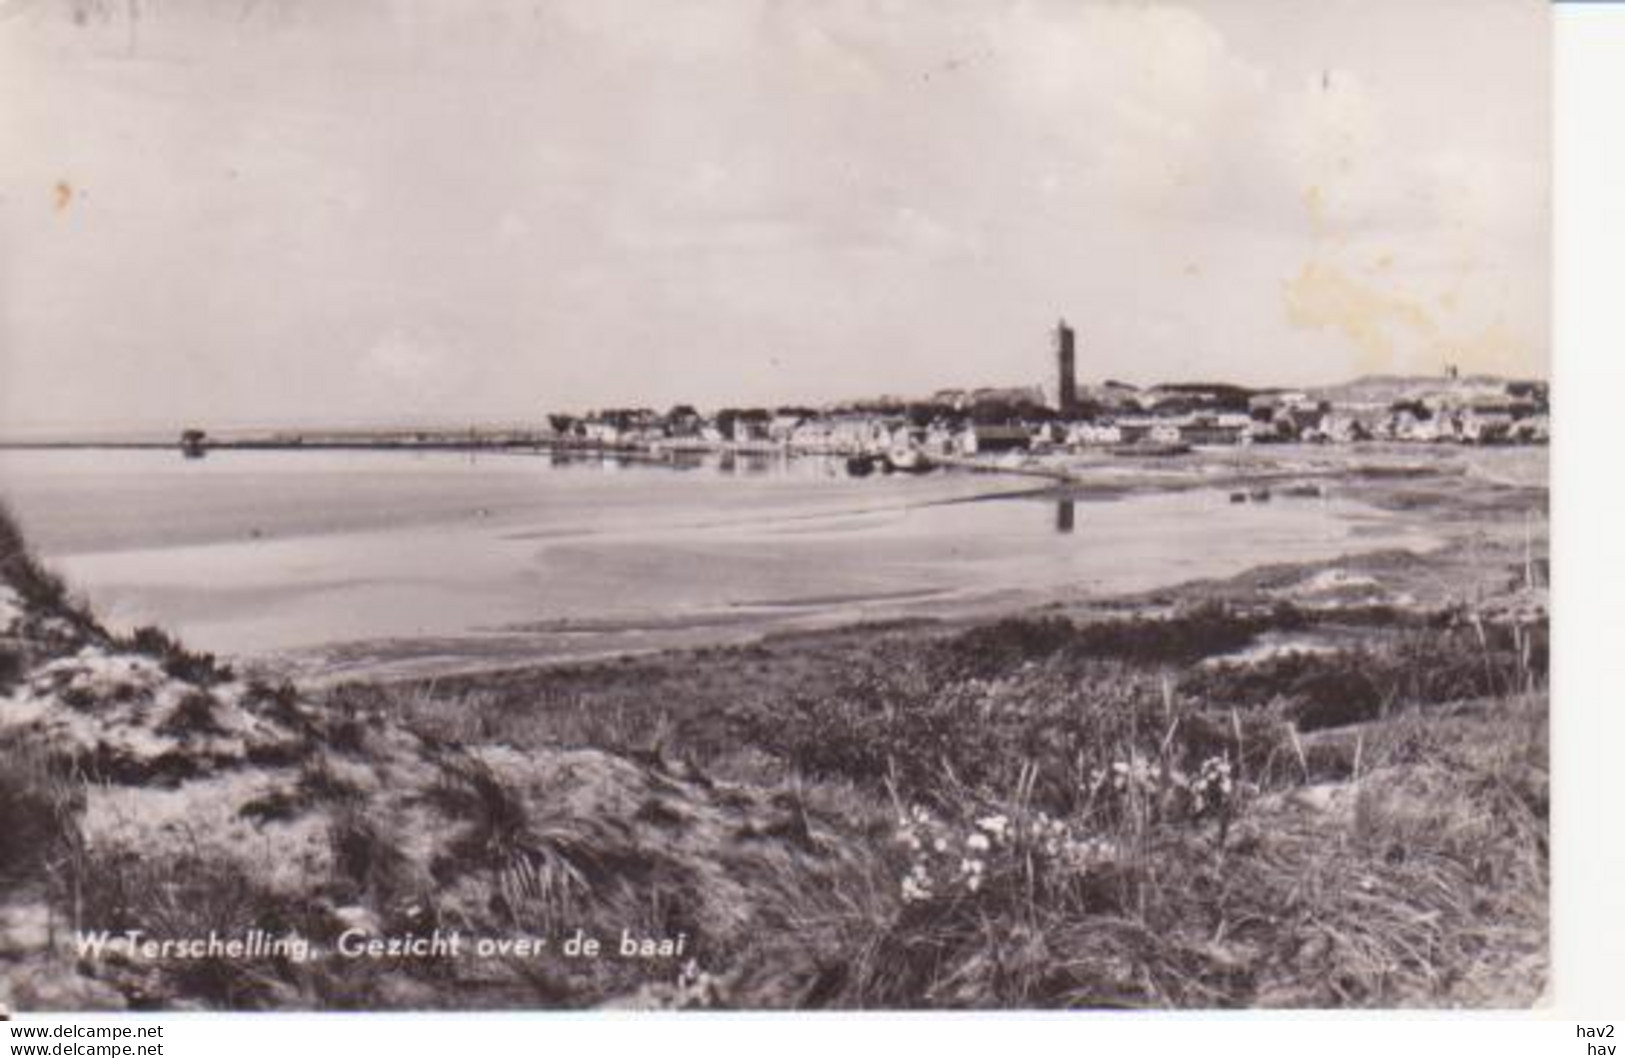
[763,505]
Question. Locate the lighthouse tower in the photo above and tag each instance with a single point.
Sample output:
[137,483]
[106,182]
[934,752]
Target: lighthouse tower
[1067,370]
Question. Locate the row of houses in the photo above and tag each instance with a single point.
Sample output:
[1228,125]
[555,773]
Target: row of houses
[957,422]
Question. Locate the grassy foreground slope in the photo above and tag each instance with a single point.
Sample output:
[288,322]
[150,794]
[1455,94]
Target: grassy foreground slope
[1293,794]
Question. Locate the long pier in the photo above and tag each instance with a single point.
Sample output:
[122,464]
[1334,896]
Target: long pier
[539,446]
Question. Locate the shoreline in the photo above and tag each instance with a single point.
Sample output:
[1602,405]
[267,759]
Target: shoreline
[1439,498]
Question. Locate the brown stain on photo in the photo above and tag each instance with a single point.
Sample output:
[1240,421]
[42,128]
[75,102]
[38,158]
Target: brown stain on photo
[1495,349]
[62,195]
[1323,295]
[1390,330]
[1314,201]
[1377,322]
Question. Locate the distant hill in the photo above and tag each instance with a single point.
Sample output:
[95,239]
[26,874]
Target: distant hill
[1388,389]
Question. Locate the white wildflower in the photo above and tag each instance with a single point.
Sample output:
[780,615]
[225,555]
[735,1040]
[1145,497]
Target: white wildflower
[995,825]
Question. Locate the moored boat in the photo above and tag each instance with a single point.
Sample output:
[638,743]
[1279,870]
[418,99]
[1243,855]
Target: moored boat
[860,465]
[908,460]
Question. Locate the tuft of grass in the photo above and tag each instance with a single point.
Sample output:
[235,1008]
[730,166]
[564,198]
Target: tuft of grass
[39,798]
[190,895]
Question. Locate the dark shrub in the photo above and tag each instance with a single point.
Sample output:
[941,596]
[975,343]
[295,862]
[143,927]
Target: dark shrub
[993,648]
[1426,667]
[1206,630]
[177,661]
[194,715]
[12,666]
[1184,637]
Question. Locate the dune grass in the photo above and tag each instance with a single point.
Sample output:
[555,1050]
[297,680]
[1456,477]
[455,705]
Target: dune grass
[1081,816]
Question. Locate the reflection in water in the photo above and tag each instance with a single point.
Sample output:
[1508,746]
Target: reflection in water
[756,462]
[1065,513]
[731,462]
[724,461]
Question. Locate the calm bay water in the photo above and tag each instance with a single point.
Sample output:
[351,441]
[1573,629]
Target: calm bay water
[363,561]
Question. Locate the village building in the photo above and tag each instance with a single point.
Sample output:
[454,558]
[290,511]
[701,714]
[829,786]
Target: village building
[782,427]
[979,439]
[1204,430]
[1088,434]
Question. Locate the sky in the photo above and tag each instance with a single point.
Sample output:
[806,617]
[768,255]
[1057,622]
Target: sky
[247,212]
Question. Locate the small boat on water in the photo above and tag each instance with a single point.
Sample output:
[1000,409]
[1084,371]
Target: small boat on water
[908,461]
[861,465]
